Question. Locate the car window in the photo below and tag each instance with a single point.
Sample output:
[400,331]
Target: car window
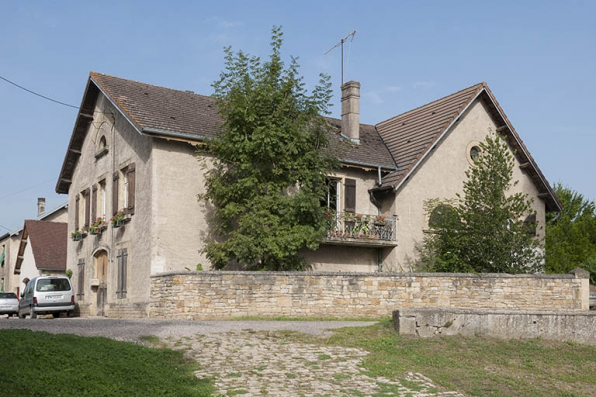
[8,295]
[53,284]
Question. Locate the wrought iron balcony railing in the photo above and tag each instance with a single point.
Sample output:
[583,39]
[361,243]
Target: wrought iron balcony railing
[363,228]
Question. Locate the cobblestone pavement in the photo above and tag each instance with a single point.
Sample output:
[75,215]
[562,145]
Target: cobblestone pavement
[252,363]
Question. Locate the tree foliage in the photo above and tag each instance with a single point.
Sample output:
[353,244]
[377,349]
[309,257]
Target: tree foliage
[571,234]
[270,163]
[484,231]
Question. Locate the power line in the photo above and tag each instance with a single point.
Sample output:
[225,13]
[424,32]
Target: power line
[39,95]
[27,188]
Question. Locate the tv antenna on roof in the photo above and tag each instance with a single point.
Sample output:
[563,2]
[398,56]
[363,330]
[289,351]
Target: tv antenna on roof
[341,43]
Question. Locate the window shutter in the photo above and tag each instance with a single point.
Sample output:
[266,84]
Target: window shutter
[87,206]
[131,188]
[350,190]
[124,271]
[115,193]
[122,264]
[81,278]
[94,204]
[77,211]
[119,285]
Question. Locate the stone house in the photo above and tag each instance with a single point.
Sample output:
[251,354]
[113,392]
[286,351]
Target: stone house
[133,155]
[38,248]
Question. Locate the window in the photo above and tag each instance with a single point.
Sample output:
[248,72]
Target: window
[331,199]
[82,212]
[123,194]
[441,215]
[530,224]
[473,150]
[81,278]
[122,270]
[101,191]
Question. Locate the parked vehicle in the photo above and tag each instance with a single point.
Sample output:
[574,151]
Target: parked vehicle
[9,303]
[47,295]
[593,300]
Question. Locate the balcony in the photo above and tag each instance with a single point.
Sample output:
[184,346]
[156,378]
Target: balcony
[362,230]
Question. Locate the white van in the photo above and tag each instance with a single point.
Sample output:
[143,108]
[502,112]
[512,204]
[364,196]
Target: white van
[47,295]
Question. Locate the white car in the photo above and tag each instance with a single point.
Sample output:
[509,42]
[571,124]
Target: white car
[47,295]
[592,299]
[9,303]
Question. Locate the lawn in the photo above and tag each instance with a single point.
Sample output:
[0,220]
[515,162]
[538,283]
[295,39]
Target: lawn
[43,364]
[474,366]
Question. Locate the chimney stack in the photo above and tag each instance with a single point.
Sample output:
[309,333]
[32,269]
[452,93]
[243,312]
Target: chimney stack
[350,110]
[41,206]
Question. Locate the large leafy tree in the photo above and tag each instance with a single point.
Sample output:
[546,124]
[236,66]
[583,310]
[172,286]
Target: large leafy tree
[571,234]
[484,230]
[270,163]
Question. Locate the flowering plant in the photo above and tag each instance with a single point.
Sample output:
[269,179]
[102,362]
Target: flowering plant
[380,218]
[99,222]
[118,217]
[77,235]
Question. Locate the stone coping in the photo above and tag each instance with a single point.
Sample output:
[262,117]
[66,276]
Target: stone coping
[371,274]
[507,312]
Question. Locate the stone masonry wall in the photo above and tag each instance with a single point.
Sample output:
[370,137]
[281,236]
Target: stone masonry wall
[220,295]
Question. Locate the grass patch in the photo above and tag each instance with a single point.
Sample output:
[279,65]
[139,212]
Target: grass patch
[43,364]
[475,366]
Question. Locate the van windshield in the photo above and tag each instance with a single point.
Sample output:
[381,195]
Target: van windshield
[53,284]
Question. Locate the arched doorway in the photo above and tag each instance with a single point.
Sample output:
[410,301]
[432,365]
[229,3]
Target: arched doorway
[101,266]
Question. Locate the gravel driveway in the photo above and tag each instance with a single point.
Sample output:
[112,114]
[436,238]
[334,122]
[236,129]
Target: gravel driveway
[243,361]
[131,330]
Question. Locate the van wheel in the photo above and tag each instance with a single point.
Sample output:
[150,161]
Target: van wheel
[56,315]
[32,314]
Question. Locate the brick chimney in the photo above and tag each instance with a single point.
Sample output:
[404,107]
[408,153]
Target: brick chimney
[41,206]
[350,110]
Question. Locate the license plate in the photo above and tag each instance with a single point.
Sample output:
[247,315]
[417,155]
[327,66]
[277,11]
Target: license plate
[53,297]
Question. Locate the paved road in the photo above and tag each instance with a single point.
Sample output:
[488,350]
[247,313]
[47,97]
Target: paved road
[131,330]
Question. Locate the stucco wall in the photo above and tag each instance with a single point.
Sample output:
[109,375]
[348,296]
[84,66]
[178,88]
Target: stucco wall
[441,176]
[125,146]
[180,221]
[217,295]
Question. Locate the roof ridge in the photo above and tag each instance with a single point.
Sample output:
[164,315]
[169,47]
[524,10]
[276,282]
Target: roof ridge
[190,92]
[479,85]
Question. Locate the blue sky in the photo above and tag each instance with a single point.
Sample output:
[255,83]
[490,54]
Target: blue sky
[538,58]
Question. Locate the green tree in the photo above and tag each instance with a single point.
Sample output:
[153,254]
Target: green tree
[571,234]
[484,230]
[270,163]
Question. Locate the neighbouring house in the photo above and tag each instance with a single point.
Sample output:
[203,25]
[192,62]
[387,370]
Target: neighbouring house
[38,248]
[132,177]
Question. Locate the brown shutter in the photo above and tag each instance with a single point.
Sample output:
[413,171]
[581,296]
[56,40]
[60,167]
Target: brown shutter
[77,211]
[93,203]
[115,193]
[131,188]
[350,190]
[87,206]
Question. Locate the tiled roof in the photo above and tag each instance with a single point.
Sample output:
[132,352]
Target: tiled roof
[151,107]
[48,241]
[410,135]
[161,111]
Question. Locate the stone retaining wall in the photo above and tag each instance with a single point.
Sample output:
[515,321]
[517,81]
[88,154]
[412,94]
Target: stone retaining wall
[220,295]
[503,324]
